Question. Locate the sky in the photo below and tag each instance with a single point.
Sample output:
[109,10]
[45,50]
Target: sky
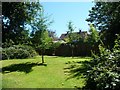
[63,12]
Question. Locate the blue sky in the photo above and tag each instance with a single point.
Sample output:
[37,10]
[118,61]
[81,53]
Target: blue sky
[63,12]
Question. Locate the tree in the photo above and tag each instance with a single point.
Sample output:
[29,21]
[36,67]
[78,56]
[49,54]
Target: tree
[45,42]
[72,37]
[42,41]
[53,35]
[106,17]
[93,37]
[40,37]
[54,46]
[102,72]
[15,17]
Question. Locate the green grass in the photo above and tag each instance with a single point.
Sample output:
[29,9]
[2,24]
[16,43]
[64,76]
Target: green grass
[29,73]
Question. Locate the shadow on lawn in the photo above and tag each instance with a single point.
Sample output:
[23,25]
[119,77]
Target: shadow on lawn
[22,67]
[76,69]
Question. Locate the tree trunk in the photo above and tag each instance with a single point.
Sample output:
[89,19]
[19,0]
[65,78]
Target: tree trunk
[72,52]
[42,56]
[54,52]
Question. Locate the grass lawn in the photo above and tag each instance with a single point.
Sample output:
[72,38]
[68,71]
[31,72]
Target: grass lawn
[29,73]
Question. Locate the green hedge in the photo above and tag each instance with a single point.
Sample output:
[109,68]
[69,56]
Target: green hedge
[18,52]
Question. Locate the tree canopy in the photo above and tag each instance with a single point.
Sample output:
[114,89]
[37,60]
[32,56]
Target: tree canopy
[93,37]
[106,17]
[16,15]
[40,36]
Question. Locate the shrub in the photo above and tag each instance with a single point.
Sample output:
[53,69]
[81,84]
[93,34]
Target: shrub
[26,49]
[104,70]
[18,52]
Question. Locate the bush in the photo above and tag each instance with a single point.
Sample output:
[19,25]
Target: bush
[104,70]
[18,52]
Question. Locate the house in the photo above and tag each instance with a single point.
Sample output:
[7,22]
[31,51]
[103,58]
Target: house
[83,34]
[63,36]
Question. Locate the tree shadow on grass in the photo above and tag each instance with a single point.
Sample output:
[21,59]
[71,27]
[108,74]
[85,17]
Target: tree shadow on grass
[22,67]
[77,69]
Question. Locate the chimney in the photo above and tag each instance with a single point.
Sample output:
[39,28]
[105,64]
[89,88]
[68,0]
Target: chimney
[79,31]
[67,32]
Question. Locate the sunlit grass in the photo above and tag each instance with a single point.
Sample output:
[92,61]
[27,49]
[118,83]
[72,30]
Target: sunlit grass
[40,76]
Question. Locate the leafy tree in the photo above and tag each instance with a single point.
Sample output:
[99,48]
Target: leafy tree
[40,36]
[106,16]
[102,72]
[53,35]
[94,33]
[54,46]
[42,41]
[45,42]
[15,17]
[93,37]
[72,37]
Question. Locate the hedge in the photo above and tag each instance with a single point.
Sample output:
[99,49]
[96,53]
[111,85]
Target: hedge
[18,52]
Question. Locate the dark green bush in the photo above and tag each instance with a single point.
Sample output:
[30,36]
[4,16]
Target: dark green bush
[18,52]
[26,49]
[104,70]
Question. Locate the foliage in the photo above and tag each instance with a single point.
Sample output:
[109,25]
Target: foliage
[72,37]
[15,17]
[40,37]
[103,71]
[45,42]
[54,46]
[7,43]
[89,41]
[53,35]
[93,37]
[106,16]
[18,52]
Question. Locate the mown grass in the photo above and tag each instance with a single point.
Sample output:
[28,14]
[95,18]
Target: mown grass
[30,73]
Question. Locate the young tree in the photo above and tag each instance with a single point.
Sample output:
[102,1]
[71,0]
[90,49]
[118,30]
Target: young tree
[42,41]
[54,46]
[93,37]
[40,36]
[45,42]
[72,37]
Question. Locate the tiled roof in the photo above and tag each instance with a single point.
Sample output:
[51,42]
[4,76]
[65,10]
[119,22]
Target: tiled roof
[82,33]
[63,36]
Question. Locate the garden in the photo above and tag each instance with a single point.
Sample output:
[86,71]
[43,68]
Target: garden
[32,56]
